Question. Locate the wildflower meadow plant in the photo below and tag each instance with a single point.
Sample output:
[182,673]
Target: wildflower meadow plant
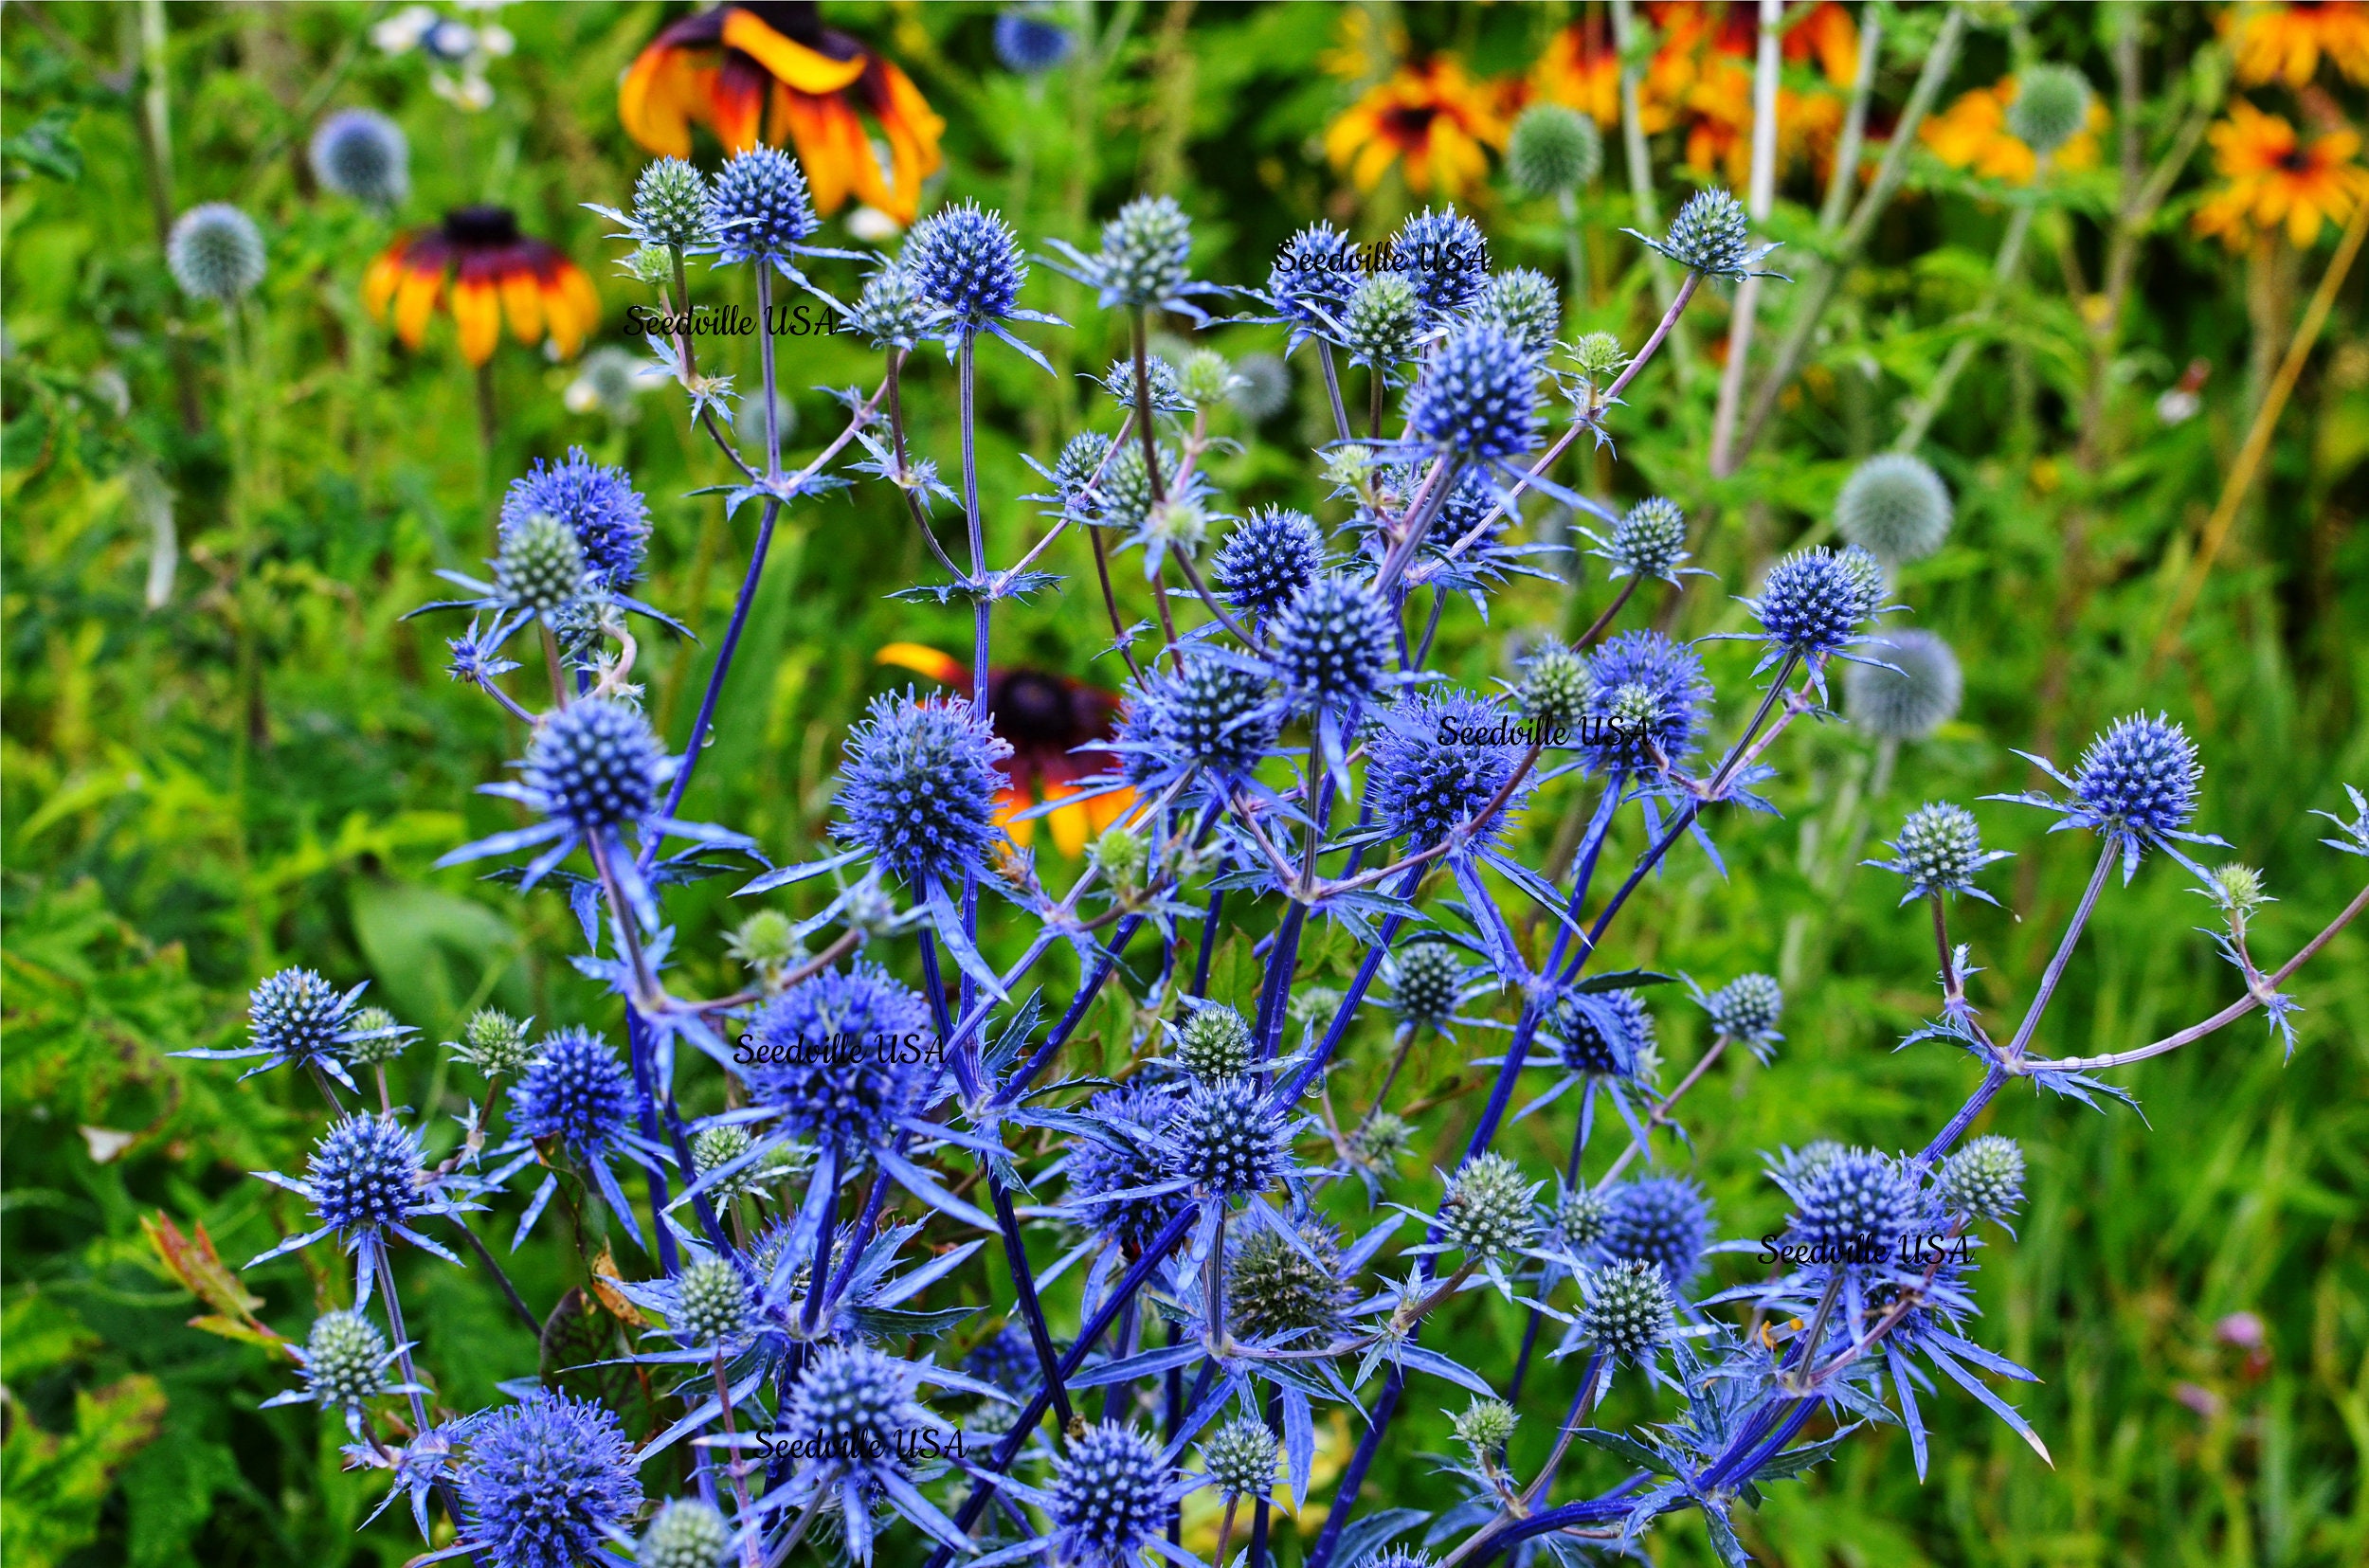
[1285,760]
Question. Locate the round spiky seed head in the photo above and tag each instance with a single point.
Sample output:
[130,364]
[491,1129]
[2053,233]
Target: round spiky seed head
[2237,888]
[710,1302]
[1240,1458]
[2052,106]
[687,1533]
[1627,1311]
[1146,252]
[1582,1216]
[1894,507]
[1984,1180]
[1383,322]
[1479,395]
[1488,1210]
[1553,149]
[361,154]
[1110,1494]
[379,1038]
[1912,693]
[540,564]
[2141,775]
[216,252]
[1664,1220]
[1312,1004]
[767,939]
[365,1173]
[1205,378]
[1262,387]
[1210,712]
[1383,1140]
[1126,488]
[893,313]
[1598,357]
[493,1043]
[1485,1425]
[1121,856]
[1602,1035]
[1555,687]
[672,205]
[1214,1044]
[1813,601]
[1521,304]
[1858,1198]
[1427,982]
[1939,849]
[547,1482]
[1273,1288]
[1710,235]
[1747,1007]
[344,1357]
[1269,556]
[712,1148]
[1649,541]
[1633,709]
[596,764]
[1226,1140]
[1332,643]
[760,206]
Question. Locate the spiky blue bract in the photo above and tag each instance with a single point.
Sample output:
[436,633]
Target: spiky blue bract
[1111,1494]
[361,154]
[968,260]
[1912,689]
[1669,696]
[576,1090]
[1027,44]
[1603,1033]
[1445,256]
[920,786]
[1333,643]
[1269,556]
[595,765]
[1210,713]
[851,1406]
[1315,270]
[1226,1140]
[763,210]
[600,505]
[546,1482]
[1477,396]
[1813,601]
[1425,779]
[852,1095]
[1130,1158]
[365,1173]
[215,252]
[1858,1201]
[1664,1220]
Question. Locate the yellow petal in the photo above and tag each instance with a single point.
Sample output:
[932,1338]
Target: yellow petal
[806,69]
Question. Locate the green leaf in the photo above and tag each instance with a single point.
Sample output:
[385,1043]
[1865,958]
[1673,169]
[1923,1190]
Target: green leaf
[1626,1447]
[47,146]
[56,1483]
[429,952]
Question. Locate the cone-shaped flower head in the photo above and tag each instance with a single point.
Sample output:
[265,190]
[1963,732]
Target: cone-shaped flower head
[1209,714]
[1272,1288]
[852,1403]
[1315,269]
[1859,1200]
[687,1533]
[1382,321]
[1710,235]
[1479,395]
[673,206]
[1604,1033]
[1424,781]
[547,1482]
[921,780]
[1813,601]
[1582,1216]
[1644,676]
[577,1092]
[600,506]
[966,261]
[820,1065]
[1649,541]
[2052,106]
[1445,256]
[296,1016]
[345,1361]
[365,1173]
[711,1304]
[1746,1008]
[1146,254]
[493,1043]
[1983,1180]
[539,564]
[761,210]
[1131,1159]
[1239,1457]
[1271,556]
[1664,1220]
[595,765]
[1333,643]
[1111,1493]
[1555,687]
[1489,1210]
[2142,775]
[1522,305]
[893,313]
[1427,981]
[1939,850]
[1225,1140]
[1213,1043]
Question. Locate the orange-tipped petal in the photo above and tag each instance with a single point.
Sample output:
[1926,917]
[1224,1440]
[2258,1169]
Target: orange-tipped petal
[924,660]
[792,62]
[477,311]
[830,143]
[415,302]
[380,282]
[1070,823]
[1106,810]
[1009,803]
[735,101]
[662,91]
[522,301]
[570,309]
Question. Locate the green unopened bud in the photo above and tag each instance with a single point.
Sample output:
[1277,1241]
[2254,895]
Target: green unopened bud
[493,1043]
[650,265]
[379,1037]
[1206,378]
[1348,466]
[766,943]
[1122,856]
[1485,1427]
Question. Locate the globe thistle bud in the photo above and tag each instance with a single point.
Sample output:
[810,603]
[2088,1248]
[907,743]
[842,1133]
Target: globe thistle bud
[853,1400]
[1582,1215]
[1146,253]
[366,1173]
[1939,849]
[687,1533]
[1649,541]
[850,1104]
[1446,257]
[653,266]
[1312,1004]
[1983,1180]
[1349,467]
[1856,1207]
[1122,855]
[1710,235]
[2052,106]
[595,765]
[1226,1140]
[1813,601]
[1262,387]
[1332,643]
[1598,357]
[539,566]
[1914,692]
[1382,1141]
[712,1148]
[968,262]
[1663,1220]
[215,252]
[1109,1493]
[1239,1457]
[2236,889]
[1214,1044]
[891,312]
[576,1090]
[1604,1033]
[377,1039]
[1271,556]
[345,1358]
[1273,1288]
[1205,378]
[1311,272]
[1485,1427]
[673,206]
[1126,488]
[1428,978]
[1382,323]
[361,154]
[1894,507]
[548,1482]
[1627,1312]
[1555,687]
[493,1043]
[1180,523]
[766,941]
[1027,44]
[2140,776]
[1553,150]
[921,779]
[1159,384]
[1478,396]
[1488,1210]
[710,1302]
[1521,304]
[1746,1008]
[760,208]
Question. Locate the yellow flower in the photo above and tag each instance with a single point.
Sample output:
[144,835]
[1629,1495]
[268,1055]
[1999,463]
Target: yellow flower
[2274,177]
[1972,134]
[1433,116]
[2285,43]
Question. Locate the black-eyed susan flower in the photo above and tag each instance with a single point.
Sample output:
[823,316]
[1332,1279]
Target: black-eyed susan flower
[774,71]
[2271,176]
[1433,117]
[479,264]
[2287,43]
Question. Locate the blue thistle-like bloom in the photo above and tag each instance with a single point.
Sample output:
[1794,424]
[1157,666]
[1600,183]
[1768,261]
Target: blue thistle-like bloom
[1315,271]
[361,154]
[851,1407]
[1423,782]
[1382,324]
[1005,1360]
[762,209]
[891,312]
[600,505]
[1479,395]
[1649,541]
[215,252]
[966,261]
[547,1484]
[1109,1497]
[1939,850]
[1813,601]
[1333,643]
[1271,556]
[1664,1220]
[294,1017]
[921,782]
[2135,785]
[1603,1033]
[1224,1139]
[1446,257]
[595,765]
[1426,981]
[1127,1161]
[576,1090]
[366,1178]
[1711,235]
[1627,1311]
[1747,1008]
[1028,44]
[673,206]
[1524,305]
[1211,713]
[1854,1208]
[1145,260]
[1665,710]
[856,1095]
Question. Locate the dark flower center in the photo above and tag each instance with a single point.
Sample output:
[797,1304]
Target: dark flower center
[1032,708]
[1410,124]
[482,227]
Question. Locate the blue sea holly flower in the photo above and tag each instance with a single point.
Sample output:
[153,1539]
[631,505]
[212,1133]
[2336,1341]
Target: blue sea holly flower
[967,262]
[1939,850]
[1333,643]
[1850,1211]
[1445,256]
[1310,282]
[361,154]
[1271,556]
[1028,44]
[1223,1141]
[1145,260]
[215,252]
[576,1095]
[608,516]
[762,210]
[852,1421]
[1711,235]
[1209,714]
[1110,1499]
[1428,777]
[1648,704]
[1664,1220]
[920,781]
[343,1363]
[829,1058]
[297,1019]
[1119,1185]
[2135,785]
[1811,605]
[547,1482]
[1477,396]
[367,1179]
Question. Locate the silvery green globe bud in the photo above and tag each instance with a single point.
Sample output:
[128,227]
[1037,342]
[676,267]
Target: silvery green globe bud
[1649,541]
[1146,252]
[2052,106]
[1488,1210]
[1916,695]
[1121,856]
[1486,1426]
[765,940]
[1181,523]
[1205,378]
[1939,849]
[540,564]
[1428,978]
[1627,1310]
[1747,1007]
[378,1038]
[361,154]
[1521,304]
[2238,890]
[1582,1216]
[1262,387]
[1383,1141]
[1272,1288]
[1214,1044]
[1556,687]
[891,311]
[1159,384]
[1383,322]
[672,205]
[687,1533]
[652,265]
[1598,357]
[1710,235]
[1239,1457]
[1553,149]
[493,1043]
[1633,710]
[710,1302]
[1983,1180]
[712,1148]
[344,1357]
[215,252]
[1894,507]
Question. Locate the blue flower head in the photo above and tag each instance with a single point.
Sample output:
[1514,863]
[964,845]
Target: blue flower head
[1479,395]
[1269,556]
[1939,850]
[1145,259]
[1109,1497]
[296,1018]
[1855,1205]
[1005,1360]
[1315,271]
[851,1407]
[1711,235]
[1648,694]
[1425,778]
[1333,643]
[921,780]
[548,1482]
[2135,785]
[596,764]
[968,262]
[343,1361]
[366,1179]
[1664,1220]
[361,154]
[609,519]
[1813,601]
[1027,44]
[1604,1033]
[852,1095]
[763,209]
[1226,1140]
[1446,257]
[576,1090]
[1127,1159]
[1211,713]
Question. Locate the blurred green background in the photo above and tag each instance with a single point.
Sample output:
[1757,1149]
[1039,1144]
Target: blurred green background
[224,750]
